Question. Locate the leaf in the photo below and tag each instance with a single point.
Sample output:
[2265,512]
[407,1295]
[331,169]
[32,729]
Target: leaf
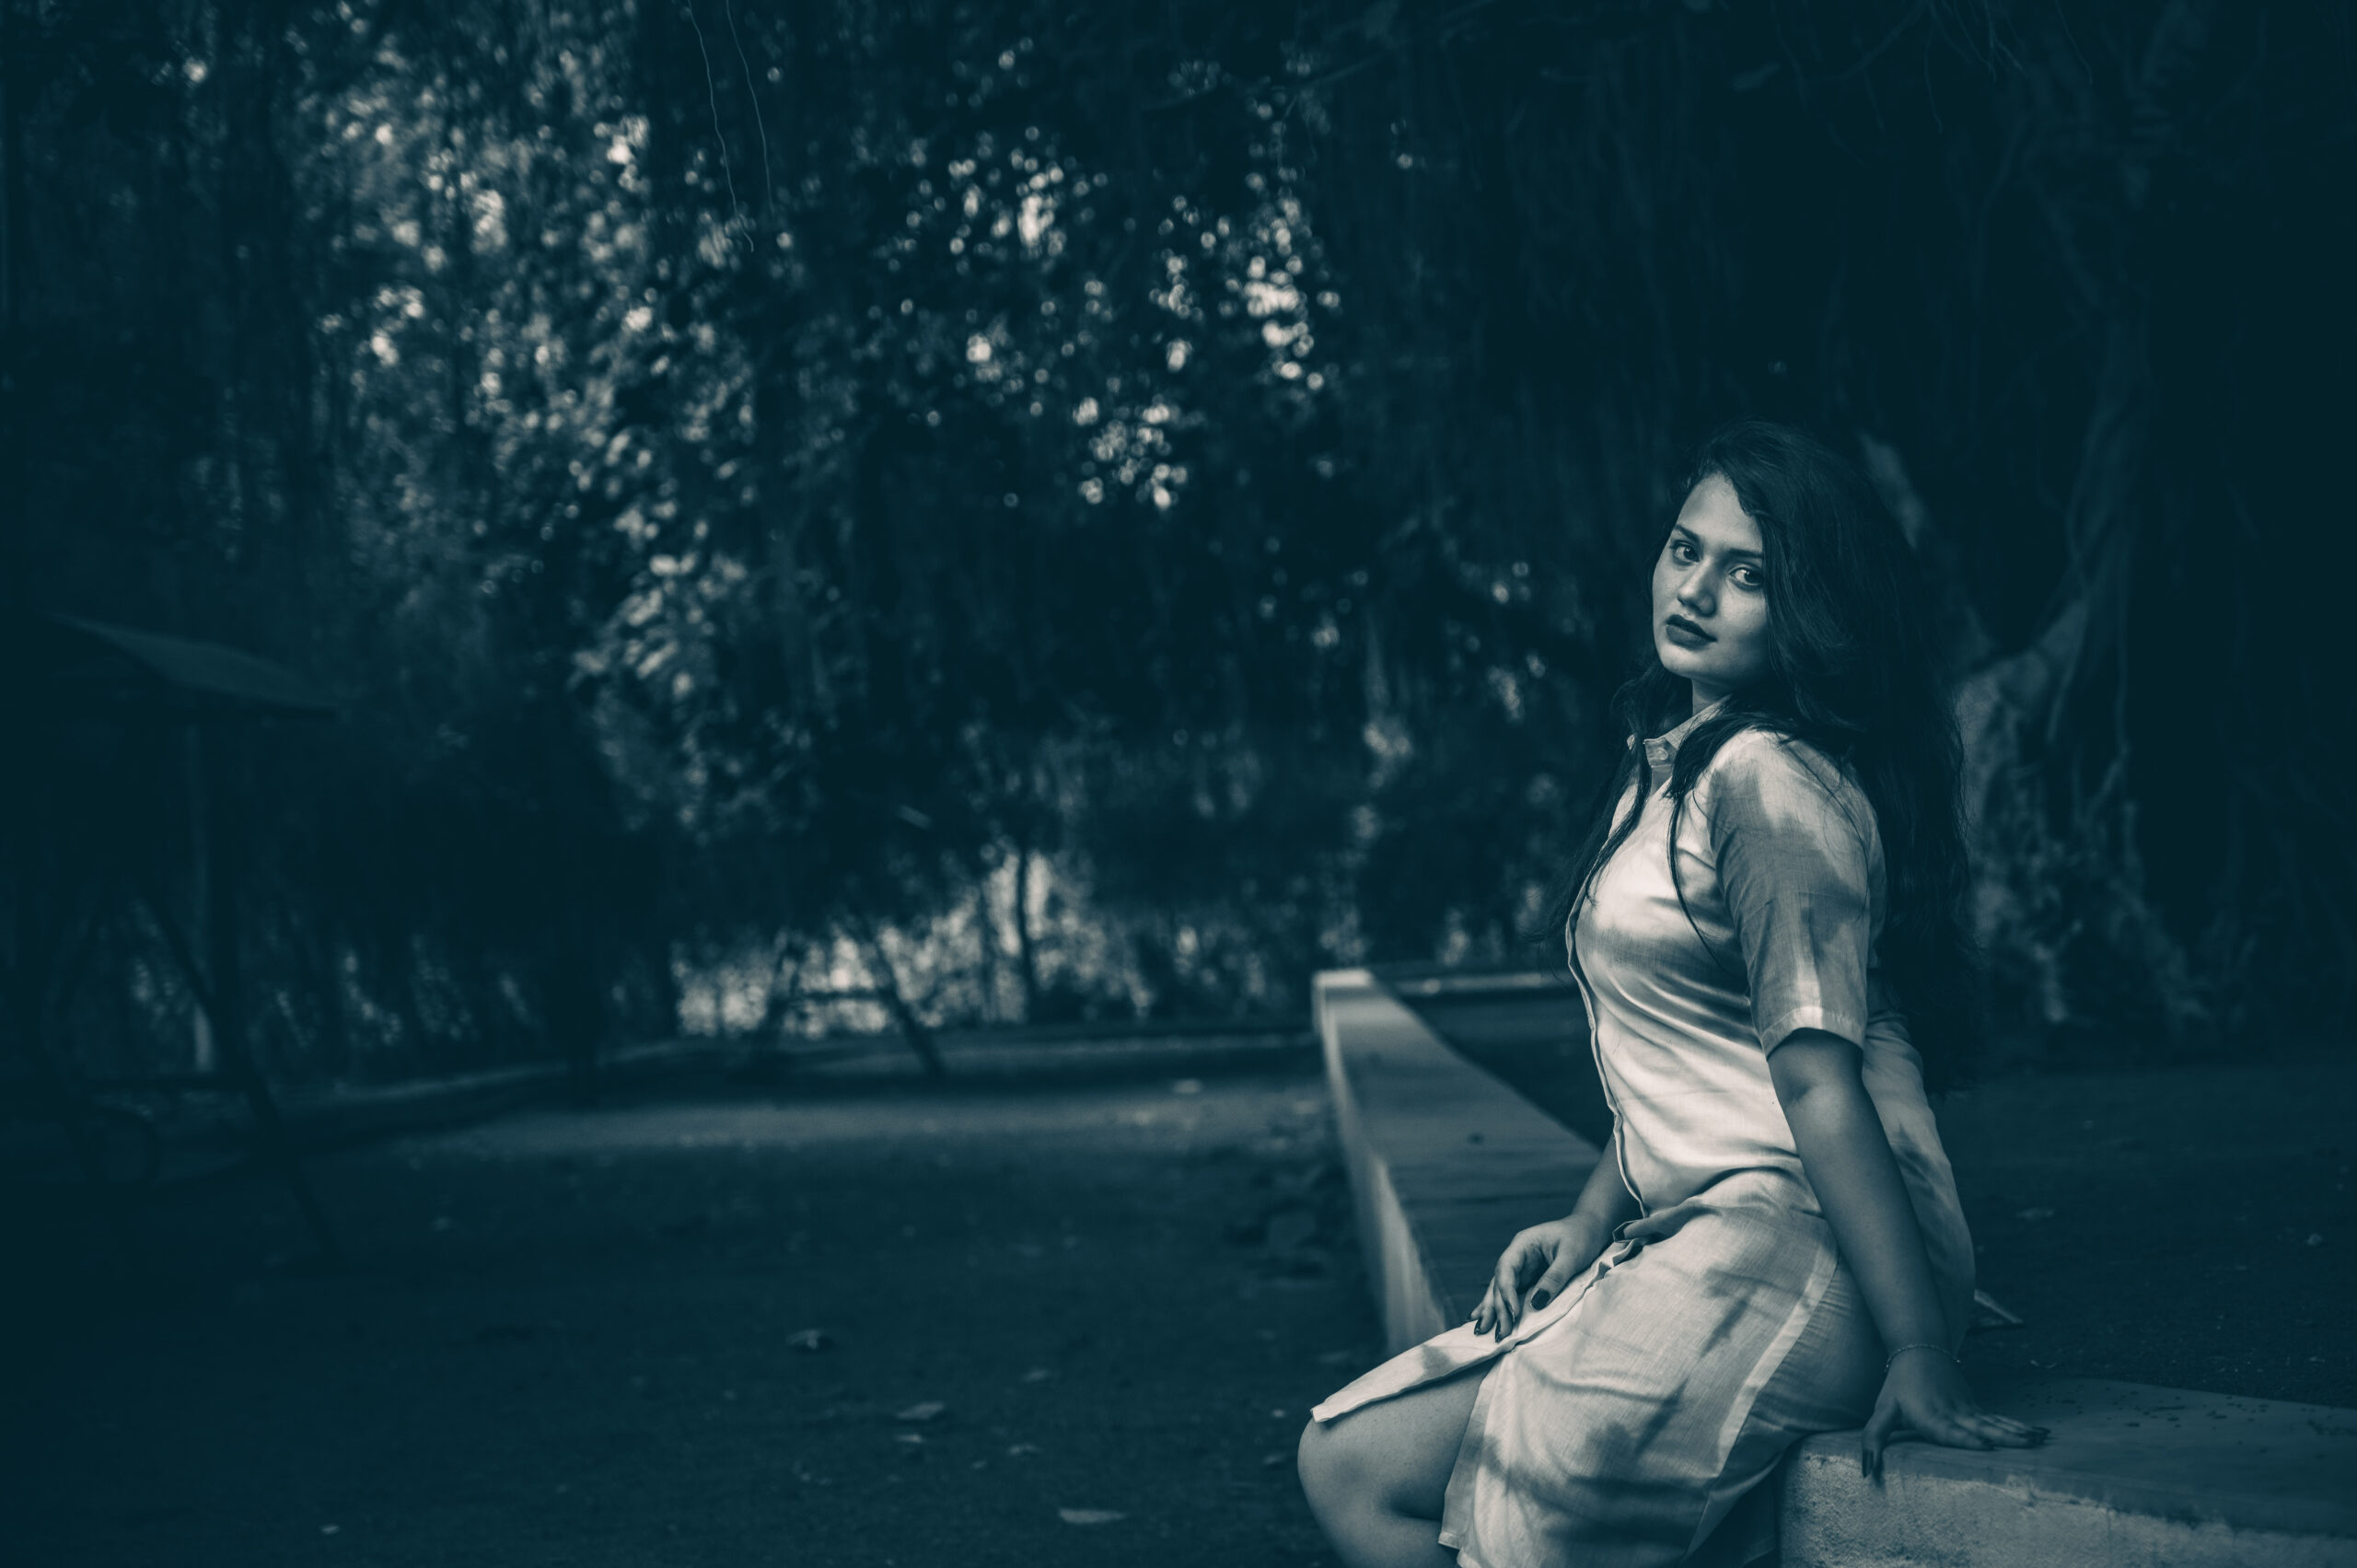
[1088,1515]
[1988,1312]
[928,1411]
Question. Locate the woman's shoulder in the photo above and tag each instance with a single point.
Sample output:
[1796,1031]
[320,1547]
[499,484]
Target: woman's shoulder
[1762,774]
[1762,750]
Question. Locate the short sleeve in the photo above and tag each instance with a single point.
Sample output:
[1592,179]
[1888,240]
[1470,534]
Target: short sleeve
[1796,851]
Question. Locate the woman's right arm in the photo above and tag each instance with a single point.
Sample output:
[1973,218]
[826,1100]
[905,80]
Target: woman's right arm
[1555,1251]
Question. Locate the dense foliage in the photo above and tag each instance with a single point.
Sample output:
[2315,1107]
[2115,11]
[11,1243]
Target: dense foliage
[1031,511]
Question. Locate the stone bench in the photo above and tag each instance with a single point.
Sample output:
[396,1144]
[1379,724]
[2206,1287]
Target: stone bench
[1446,1163]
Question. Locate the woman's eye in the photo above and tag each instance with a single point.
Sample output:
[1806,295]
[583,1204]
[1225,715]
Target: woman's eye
[1748,577]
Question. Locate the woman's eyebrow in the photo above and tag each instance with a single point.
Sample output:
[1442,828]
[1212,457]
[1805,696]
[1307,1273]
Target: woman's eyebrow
[1679,530]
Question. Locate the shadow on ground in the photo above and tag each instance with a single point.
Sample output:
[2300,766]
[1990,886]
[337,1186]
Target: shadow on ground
[576,1338]
[2188,1226]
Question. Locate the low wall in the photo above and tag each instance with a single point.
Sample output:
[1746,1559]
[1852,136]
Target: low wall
[1446,1163]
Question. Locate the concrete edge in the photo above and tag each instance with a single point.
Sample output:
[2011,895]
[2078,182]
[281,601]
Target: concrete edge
[1410,1303]
[1403,1103]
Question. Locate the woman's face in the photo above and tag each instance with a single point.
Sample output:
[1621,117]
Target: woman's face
[1711,595]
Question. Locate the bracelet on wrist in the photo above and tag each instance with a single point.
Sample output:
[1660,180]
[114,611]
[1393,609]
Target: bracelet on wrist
[1920,1344]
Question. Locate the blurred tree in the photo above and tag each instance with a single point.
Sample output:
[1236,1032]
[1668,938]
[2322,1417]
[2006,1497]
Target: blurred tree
[1035,513]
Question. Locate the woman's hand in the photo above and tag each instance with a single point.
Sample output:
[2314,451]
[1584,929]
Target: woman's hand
[1534,1269]
[1924,1395]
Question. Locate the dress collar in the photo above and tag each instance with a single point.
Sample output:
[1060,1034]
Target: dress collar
[1662,749]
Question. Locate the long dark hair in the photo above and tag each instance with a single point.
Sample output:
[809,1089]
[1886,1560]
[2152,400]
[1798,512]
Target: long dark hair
[1850,672]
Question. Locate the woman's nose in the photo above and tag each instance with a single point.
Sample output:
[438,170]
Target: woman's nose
[1694,592]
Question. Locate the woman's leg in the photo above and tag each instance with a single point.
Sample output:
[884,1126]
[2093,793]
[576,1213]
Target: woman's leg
[1376,1478]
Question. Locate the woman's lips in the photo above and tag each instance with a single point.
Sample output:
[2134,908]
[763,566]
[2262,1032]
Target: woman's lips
[1685,633]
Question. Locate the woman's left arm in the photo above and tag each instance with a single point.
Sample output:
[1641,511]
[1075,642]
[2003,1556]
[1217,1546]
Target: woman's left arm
[1848,1158]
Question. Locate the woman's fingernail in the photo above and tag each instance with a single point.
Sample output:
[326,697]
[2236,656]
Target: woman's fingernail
[1539,1299]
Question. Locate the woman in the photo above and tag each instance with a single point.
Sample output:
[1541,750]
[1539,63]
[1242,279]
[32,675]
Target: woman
[1773,1246]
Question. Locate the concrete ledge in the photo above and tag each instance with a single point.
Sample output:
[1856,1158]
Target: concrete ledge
[2133,1474]
[1446,1163]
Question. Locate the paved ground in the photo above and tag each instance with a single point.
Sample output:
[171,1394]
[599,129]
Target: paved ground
[570,1339]
[2191,1226]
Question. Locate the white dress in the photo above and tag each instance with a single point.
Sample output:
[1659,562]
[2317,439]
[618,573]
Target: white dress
[1624,1422]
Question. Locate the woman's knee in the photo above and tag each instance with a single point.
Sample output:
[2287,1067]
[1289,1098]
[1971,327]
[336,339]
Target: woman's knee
[1394,1456]
[1326,1461]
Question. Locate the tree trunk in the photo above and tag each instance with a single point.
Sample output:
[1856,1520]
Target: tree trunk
[1026,960]
[986,924]
[888,982]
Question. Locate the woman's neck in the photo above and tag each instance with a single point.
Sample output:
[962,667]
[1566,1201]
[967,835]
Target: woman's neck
[1703,696]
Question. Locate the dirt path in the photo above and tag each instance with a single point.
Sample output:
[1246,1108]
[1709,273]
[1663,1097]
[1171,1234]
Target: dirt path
[570,1339]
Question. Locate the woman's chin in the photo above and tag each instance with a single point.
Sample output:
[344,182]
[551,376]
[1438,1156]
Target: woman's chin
[1684,662]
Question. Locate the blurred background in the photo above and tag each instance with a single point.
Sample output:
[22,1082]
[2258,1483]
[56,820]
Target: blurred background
[813,517]
[869,589]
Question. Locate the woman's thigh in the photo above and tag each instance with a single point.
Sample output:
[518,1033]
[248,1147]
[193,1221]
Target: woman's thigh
[1398,1452]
